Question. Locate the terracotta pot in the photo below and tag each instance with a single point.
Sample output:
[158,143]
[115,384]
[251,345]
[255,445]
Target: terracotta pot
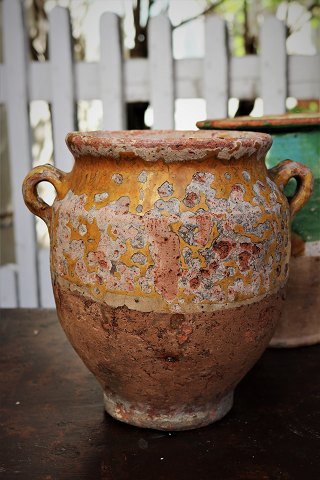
[295,136]
[169,254]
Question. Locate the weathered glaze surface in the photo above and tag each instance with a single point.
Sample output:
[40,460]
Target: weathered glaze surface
[295,136]
[169,253]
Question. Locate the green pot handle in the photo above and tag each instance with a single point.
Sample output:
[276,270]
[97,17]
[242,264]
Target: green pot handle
[43,173]
[287,169]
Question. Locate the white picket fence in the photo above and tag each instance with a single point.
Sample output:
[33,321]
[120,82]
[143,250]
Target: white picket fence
[273,76]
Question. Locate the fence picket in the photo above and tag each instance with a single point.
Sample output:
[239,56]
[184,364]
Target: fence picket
[111,73]
[2,84]
[302,78]
[216,67]
[115,80]
[161,75]
[273,65]
[16,76]
[8,286]
[62,84]
[46,294]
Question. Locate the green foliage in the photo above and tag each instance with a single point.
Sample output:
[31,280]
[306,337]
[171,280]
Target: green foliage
[243,18]
[307,107]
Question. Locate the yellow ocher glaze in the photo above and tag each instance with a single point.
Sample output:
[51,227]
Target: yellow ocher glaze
[182,234]
[180,177]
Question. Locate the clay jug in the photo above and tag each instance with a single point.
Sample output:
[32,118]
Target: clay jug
[295,136]
[169,256]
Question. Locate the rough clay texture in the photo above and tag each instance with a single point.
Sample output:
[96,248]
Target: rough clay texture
[165,363]
[168,145]
[168,253]
[171,237]
[300,320]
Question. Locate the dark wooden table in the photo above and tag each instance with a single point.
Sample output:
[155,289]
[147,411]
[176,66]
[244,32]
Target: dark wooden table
[53,425]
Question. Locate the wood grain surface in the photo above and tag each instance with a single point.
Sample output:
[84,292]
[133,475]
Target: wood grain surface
[53,426]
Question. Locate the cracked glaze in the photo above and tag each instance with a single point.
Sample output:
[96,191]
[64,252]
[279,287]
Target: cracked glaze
[169,251]
[165,237]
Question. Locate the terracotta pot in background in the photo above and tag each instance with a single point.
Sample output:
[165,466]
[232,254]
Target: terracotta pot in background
[295,136]
[169,255]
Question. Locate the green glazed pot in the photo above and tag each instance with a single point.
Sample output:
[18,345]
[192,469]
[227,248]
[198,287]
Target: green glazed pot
[296,137]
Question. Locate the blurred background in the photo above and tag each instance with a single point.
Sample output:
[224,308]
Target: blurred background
[54,78]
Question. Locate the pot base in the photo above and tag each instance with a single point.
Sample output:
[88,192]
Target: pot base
[292,342]
[173,419]
[300,325]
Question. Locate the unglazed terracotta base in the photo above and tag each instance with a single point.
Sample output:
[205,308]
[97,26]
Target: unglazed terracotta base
[182,418]
[300,321]
[167,370]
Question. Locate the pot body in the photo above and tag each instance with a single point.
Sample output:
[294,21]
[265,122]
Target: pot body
[168,260]
[295,136]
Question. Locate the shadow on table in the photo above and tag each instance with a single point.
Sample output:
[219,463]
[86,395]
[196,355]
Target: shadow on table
[269,434]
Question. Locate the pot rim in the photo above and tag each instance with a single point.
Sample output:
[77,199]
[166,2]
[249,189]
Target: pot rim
[168,145]
[266,123]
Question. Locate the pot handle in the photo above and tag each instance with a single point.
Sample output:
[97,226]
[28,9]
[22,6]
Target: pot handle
[43,173]
[287,169]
